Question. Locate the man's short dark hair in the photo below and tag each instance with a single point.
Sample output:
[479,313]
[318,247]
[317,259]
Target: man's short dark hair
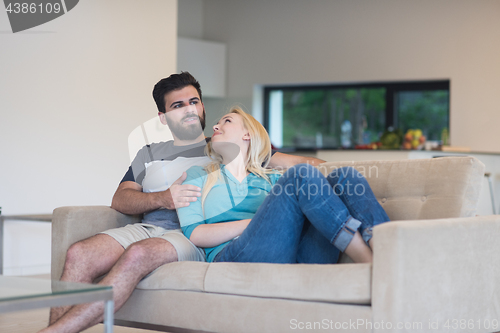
[171,83]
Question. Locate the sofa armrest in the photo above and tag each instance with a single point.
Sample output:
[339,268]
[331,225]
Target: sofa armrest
[72,224]
[435,272]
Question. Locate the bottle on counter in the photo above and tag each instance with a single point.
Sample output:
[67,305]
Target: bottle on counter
[445,137]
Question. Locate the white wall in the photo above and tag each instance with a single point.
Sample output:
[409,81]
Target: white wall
[71,91]
[295,41]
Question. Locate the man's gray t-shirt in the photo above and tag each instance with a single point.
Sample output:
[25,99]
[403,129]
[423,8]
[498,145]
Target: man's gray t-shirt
[156,167]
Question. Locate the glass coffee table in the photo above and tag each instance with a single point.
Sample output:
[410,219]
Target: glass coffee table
[18,293]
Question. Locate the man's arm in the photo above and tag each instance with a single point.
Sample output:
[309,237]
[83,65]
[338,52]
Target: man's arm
[285,161]
[129,198]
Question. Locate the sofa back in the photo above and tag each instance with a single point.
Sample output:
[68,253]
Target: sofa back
[422,189]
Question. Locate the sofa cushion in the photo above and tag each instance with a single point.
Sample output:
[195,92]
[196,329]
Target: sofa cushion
[184,275]
[346,283]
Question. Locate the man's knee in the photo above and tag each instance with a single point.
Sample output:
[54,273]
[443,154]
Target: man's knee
[135,253]
[150,250]
[76,252]
[96,253]
[78,265]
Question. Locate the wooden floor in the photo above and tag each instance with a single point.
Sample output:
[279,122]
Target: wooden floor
[34,320]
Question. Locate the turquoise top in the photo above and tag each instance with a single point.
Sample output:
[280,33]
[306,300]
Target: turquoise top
[229,200]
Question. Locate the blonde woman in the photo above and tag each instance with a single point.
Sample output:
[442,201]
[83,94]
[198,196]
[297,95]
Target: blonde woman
[248,213]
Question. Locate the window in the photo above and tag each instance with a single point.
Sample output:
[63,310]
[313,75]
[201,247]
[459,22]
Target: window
[345,115]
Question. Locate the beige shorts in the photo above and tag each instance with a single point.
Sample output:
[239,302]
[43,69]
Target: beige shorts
[131,233]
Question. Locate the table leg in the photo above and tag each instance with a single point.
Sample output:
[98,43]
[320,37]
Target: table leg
[488,175]
[109,310]
[1,244]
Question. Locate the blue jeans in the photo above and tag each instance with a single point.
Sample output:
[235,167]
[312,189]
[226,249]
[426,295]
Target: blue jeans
[308,218]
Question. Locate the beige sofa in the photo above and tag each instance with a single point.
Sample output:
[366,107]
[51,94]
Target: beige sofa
[436,267]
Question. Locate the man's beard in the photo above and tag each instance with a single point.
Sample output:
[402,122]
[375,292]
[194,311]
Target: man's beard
[190,132]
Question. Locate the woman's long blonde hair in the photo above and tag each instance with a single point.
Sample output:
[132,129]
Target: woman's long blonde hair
[258,156]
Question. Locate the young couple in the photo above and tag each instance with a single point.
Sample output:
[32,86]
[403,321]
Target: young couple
[288,227]
[249,213]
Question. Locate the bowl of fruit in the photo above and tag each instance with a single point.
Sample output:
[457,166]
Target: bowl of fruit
[414,139]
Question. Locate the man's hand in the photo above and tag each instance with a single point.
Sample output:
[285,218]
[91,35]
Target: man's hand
[181,195]
[129,198]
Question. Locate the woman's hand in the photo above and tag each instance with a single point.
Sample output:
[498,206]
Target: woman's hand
[210,235]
